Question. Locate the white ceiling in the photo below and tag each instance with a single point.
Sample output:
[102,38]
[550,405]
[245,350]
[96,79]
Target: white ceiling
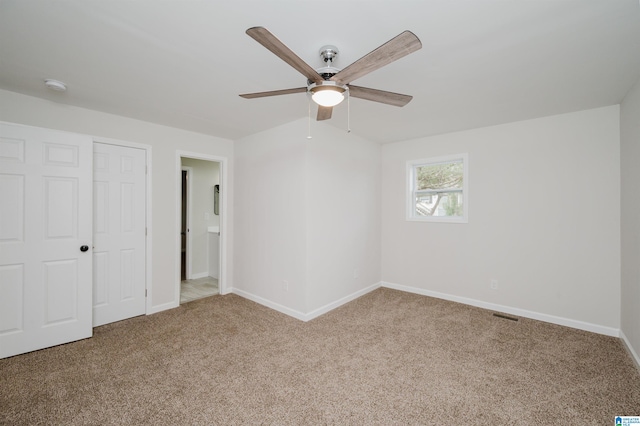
[183,63]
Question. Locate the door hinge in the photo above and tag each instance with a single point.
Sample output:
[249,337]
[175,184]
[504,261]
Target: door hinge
[145,292]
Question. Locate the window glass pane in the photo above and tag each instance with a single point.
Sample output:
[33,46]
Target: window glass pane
[439,176]
[439,204]
[438,189]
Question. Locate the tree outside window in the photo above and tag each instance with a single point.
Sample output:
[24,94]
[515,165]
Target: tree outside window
[437,189]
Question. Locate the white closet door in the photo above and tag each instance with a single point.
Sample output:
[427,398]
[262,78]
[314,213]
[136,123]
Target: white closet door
[45,238]
[119,255]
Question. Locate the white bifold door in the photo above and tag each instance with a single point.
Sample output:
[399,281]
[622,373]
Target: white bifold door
[119,220]
[45,238]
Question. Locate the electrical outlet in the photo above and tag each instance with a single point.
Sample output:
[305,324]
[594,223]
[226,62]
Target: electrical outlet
[285,285]
[494,284]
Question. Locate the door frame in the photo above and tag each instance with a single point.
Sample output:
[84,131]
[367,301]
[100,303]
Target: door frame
[187,260]
[224,232]
[149,233]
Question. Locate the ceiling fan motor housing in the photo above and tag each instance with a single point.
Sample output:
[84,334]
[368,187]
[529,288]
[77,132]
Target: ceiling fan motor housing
[328,53]
[326,73]
[327,85]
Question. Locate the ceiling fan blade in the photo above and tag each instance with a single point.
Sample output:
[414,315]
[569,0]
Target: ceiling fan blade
[324,113]
[390,98]
[274,93]
[396,48]
[271,42]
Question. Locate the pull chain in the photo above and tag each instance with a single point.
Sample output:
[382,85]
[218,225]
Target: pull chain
[309,121]
[348,112]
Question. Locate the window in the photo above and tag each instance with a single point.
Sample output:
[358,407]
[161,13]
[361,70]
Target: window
[437,189]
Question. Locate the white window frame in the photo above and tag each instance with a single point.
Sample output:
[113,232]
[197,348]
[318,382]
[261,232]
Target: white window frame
[411,181]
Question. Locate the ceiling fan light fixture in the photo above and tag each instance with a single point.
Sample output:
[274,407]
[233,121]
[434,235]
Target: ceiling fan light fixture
[327,85]
[327,98]
[327,94]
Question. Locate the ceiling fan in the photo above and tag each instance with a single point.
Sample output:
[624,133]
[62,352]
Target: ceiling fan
[328,85]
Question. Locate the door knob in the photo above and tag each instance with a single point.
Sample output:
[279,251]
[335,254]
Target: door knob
[84,248]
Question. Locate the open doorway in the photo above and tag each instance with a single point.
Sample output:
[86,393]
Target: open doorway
[200,228]
[184,223]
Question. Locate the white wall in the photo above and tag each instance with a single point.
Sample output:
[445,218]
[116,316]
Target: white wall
[545,211]
[205,174]
[307,212]
[630,177]
[544,199]
[270,216]
[343,215]
[165,141]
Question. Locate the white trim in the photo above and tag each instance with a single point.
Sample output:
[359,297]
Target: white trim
[311,315]
[199,275]
[149,309]
[567,322]
[224,231]
[269,304]
[331,306]
[110,141]
[163,307]
[629,348]
[410,180]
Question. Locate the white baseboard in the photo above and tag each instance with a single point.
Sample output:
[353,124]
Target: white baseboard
[308,316]
[163,307]
[567,322]
[199,275]
[269,304]
[330,306]
[630,349]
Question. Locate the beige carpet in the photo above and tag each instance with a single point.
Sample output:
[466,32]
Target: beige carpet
[387,358]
